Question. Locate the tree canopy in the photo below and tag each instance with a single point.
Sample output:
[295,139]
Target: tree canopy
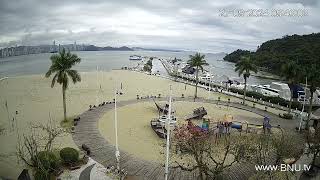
[272,54]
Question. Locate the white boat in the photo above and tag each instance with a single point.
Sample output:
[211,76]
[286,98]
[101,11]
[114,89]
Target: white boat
[276,89]
[206,77]
[135,58]
[283,89]
[265,90]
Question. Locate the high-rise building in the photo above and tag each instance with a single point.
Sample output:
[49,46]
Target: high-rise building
[75,46]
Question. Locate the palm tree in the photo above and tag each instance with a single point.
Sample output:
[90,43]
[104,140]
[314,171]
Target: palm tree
[198,62]
[61,66]
[244,66]
[290,72]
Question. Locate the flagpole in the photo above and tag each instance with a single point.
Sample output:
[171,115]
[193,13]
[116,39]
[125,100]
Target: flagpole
[168,136]
[209,85]
[97,98]
[304,102]
[117,153]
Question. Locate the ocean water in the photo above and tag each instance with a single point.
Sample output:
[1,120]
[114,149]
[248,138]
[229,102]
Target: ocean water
[108,60]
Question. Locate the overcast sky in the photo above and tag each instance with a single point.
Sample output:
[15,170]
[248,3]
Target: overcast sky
[181,24]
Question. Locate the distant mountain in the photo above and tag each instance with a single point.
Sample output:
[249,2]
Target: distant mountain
[108,48]
[154,49]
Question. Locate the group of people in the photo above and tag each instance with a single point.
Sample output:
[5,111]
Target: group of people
[223,128]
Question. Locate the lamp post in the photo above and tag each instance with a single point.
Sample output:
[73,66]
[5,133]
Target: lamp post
[168,136]
[304,102]
[117,153]
[209,84]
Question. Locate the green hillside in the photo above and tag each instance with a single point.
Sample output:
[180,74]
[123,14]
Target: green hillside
[304,49]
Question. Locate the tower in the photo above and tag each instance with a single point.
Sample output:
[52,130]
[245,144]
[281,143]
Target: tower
[75,46]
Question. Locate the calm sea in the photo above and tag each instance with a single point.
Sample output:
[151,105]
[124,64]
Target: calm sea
[108,60]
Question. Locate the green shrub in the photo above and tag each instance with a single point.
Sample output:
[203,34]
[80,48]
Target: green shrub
[41,175]
[69,155]
[47,160]
[286,116]
[272,99]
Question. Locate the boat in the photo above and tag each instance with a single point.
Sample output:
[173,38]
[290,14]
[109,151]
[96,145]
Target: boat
[135,58]
[275,89]
[197,113]
[206,77]
[159,125]
[163,109]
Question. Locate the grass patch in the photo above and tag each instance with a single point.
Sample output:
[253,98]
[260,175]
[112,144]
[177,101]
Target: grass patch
[68,123]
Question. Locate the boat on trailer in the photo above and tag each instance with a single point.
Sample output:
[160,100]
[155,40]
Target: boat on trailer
[159,125]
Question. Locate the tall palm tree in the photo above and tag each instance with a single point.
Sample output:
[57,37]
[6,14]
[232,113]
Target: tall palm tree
[61,66]
[290,72]
[198,62]
[244,66]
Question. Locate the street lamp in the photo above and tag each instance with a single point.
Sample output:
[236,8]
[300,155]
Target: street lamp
[117,153]
[168,136]
[304,102]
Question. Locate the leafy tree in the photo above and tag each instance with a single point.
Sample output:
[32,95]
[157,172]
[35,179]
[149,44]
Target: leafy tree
[244,67]
[290,72]
[311,71]
[272,54]
[35,149]
[198,62]
[61,66]
[195,150]
[235,56]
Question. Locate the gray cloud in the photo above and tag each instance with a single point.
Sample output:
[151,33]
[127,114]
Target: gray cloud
[180,24]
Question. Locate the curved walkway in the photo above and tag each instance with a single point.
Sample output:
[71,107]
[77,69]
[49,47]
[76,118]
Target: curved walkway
[87,132]
[85,174]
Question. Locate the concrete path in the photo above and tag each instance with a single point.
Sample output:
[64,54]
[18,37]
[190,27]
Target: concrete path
[85,174]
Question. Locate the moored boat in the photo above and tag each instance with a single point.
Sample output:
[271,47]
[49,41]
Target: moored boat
[135,58]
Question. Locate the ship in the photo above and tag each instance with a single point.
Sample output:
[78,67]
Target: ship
[135,58]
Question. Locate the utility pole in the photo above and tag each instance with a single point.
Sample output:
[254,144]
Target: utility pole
[304,102]
[117,153]
[168,136]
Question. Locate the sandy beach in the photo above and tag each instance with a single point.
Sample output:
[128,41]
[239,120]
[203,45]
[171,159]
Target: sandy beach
[36,103]
[137,137]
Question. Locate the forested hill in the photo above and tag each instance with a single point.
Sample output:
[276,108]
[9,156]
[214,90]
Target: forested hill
[272,54]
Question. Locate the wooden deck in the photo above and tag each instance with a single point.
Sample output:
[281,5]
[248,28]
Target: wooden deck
[87,132]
